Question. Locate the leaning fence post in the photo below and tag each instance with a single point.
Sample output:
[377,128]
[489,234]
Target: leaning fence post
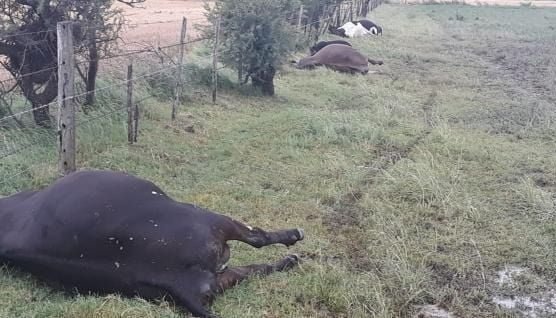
[179,84]
[299,19]
[130,102]
[338,10]
[215,60]
[66,103]
[136,122]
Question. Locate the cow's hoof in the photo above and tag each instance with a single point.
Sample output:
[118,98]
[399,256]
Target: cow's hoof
[293,236]
[288,262]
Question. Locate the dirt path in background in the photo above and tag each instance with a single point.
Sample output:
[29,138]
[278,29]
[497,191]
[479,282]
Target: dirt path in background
[156,21]
[145,20]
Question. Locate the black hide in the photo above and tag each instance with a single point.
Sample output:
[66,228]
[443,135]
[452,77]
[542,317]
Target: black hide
[106,232]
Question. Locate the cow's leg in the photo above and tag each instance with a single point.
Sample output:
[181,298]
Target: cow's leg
[192,290]
[257,237]
[193,303]
[233,276]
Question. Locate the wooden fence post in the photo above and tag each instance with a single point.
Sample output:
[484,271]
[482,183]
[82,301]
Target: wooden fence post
[179,83]
[66,103]
[215,60]
[326,17]
[338,19]
[130,102]
[136,122]
[299,19]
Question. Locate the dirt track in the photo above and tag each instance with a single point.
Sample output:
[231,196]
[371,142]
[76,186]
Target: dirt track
[160,20]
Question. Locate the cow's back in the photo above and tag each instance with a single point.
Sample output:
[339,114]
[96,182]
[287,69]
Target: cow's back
[342,56]
[94,213]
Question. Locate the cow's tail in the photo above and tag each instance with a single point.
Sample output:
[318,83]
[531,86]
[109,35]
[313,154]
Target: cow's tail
[375,62]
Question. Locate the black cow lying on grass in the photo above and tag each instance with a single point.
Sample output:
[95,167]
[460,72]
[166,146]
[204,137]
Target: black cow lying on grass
[339,57]
[317,47]
[107,232]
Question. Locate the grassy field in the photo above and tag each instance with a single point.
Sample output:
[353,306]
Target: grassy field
[415,185]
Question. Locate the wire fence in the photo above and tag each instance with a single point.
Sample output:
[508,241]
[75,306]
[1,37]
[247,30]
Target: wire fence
[19,131]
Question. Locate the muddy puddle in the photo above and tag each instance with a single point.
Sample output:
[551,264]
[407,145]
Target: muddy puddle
[538,305]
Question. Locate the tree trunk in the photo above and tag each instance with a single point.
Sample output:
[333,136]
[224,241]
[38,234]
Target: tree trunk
[93,68]
[365,10]
[240,70]
[42,116]
[39,101]
[264,80]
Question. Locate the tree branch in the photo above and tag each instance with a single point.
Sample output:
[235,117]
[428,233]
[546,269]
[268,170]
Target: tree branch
[131,3]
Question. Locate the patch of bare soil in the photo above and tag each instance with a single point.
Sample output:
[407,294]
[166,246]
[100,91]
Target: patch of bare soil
[513,298]
[160,20]
[155,22]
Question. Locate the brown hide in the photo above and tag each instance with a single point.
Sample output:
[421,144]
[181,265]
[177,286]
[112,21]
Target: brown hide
[339,57]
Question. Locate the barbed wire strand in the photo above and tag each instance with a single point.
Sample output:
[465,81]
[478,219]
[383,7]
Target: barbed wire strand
[26,33]
[19,77]
[86,93]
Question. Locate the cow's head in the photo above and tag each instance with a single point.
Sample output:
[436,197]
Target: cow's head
[376,30]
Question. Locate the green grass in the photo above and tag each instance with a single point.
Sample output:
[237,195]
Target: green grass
[415,185]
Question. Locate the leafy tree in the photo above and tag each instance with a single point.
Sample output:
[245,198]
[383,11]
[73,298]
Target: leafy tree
[256,37]
[28,48]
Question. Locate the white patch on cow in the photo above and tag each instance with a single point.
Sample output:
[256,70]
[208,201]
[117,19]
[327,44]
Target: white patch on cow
[155,225]
[81,256]
[154,192]
[111,238]
[131,238]
[353,30]
[348,28]
[121,248]
[360,30]
[117,264]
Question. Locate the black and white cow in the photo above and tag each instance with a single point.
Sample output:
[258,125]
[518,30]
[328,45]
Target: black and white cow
[354,29]
[109,232]
[370,26]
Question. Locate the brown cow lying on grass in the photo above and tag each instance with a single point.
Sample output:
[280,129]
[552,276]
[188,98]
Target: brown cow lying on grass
[342,58]
[322,44]
[109,232]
